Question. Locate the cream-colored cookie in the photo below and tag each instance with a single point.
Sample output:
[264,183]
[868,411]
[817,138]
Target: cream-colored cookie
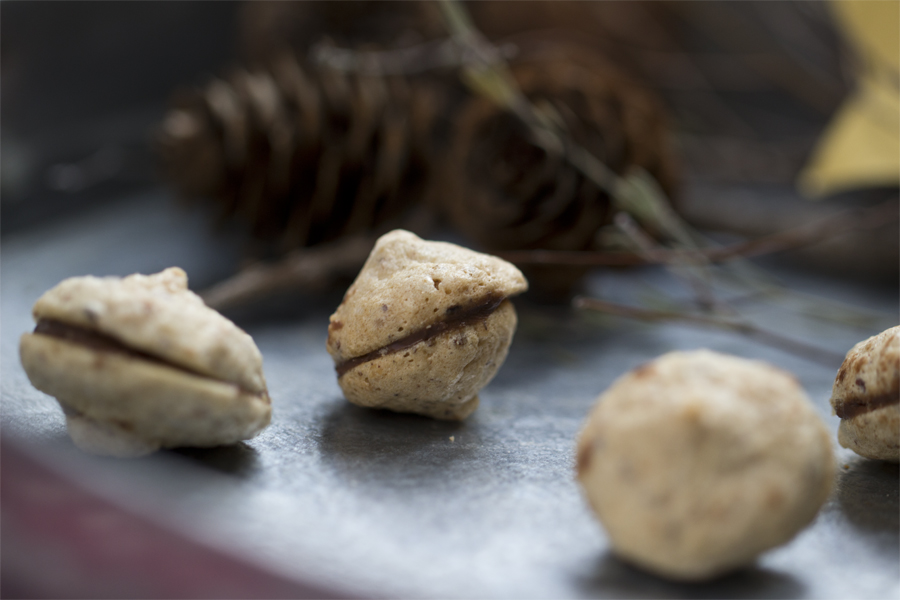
[141,363]
[697,462]
[424,327]
[866,396]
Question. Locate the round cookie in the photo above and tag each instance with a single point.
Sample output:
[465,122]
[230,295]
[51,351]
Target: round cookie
[141,363]
[697,462]
[424,326]
[866,396]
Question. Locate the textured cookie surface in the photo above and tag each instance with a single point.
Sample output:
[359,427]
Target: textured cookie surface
[866,396]
[424,326]
[436,377]
[407,283]
[697,462]
[141,363]
[158,315]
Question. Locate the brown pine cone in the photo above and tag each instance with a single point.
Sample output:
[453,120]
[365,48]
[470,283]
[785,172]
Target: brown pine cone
[506,193]
[302,154]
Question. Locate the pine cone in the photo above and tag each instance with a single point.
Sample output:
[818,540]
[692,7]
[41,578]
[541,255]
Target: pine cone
[506,193]
[302,154]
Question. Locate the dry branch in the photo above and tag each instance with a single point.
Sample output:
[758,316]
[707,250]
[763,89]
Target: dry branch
[311,268]
[791,239]
[776,340]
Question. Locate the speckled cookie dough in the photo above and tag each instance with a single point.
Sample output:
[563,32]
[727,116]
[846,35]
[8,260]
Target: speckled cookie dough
[140,363]
[866,396]
[697,462]
[424,327]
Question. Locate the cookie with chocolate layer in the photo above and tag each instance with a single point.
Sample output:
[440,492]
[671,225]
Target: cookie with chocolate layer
[866,396]
[424,326]
[141,363]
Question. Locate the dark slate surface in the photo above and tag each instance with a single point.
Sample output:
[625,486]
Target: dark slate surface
[375,503]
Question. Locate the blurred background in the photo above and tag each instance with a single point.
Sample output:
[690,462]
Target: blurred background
[733,107]
[83,84]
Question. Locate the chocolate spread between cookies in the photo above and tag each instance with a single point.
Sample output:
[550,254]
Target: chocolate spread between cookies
[455,317]
[102,342]
[90,339]
[852,407]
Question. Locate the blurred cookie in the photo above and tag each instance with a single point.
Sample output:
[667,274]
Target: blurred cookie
[424,327]
[141,363]
[866,396]
[697,462]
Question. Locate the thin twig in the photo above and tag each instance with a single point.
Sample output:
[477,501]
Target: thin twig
[310,268]
[776,340]
[684,266]
[840,223]
[575,258]
[831,226]
[412,60]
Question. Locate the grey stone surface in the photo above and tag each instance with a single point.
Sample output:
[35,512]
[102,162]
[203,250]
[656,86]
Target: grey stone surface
[382,504]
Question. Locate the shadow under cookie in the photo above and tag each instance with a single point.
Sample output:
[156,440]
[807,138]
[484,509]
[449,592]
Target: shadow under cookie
[392,449]
[614,577]
[240,459]
[868,493]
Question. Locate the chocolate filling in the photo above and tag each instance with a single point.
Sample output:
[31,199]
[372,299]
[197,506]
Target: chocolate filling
[455,317]
[101,342]
[853,407]
[92,339]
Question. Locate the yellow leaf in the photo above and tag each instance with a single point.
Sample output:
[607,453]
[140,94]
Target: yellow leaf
[861,145]
[872,26]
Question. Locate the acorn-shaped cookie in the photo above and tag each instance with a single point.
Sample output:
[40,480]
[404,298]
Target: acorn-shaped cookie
[140,363]
[866,396]
[424,327]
